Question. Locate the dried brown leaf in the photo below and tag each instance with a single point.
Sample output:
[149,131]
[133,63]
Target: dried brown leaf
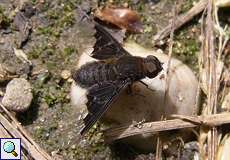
[122,17]
[223,149]
[222,3]
[21,55]
[226,102]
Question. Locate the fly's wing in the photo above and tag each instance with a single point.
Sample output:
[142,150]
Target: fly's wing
[100,97]
[106,46]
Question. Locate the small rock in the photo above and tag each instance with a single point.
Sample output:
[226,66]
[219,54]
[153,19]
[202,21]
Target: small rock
[190,151]
[1,93]
[65,74]
[18,95]
[24,26]
[149,156]
[126,5]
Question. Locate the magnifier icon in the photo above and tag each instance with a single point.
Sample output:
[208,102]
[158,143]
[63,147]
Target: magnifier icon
[9,147]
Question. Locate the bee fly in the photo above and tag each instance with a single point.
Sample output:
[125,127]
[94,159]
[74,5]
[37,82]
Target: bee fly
[106,78]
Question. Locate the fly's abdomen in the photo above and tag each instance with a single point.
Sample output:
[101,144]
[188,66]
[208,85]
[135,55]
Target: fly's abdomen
[92,73]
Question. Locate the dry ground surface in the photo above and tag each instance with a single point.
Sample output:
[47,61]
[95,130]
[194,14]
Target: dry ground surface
[55,40]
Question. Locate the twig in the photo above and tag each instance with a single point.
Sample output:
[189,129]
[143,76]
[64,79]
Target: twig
[211,72]
[181,20]
[188,118]
[158,126]
[3,132]
[159,148]
[172,29]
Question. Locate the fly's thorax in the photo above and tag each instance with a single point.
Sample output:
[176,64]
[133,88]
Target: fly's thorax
[130,67]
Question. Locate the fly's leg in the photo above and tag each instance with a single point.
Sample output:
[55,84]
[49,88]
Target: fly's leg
[132,93]
[146,86]
[129,90]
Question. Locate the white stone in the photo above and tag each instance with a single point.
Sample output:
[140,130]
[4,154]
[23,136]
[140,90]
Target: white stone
[145,104]
[18,95]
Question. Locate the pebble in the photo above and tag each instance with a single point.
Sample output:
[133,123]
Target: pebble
[65,74]
[18,95]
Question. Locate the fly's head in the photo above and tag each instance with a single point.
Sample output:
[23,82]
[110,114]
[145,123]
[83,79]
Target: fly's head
[152,66]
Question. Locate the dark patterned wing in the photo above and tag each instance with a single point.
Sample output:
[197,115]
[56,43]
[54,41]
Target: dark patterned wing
[100,97]
[106,46]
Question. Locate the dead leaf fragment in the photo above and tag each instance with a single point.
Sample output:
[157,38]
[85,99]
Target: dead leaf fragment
[122,17]
[222,3]
[21,55]
[5,74]
[226,102]
[223,149]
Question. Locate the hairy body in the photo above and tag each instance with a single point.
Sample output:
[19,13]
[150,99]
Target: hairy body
[106,78]
[116,70]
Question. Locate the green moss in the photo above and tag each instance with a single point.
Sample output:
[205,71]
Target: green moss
[96,145]
[68,51]
[186,49]
[60,17]
[43,133]
[51,93]
[51,65]
[50,99]
[53,14]
[39,51]
[39,132]
[35,53]
[67,20]
[53,126]
[49,31]
[188,4]
[44,30]
[33,2]
[4,21]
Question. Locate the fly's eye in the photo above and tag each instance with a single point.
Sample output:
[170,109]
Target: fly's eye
[151,57]
[151,67]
